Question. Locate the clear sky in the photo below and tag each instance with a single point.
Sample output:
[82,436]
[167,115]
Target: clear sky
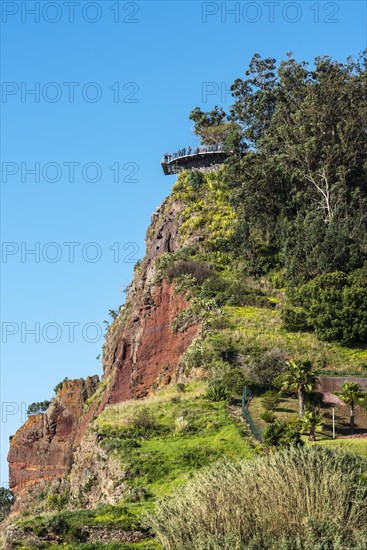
[113,83]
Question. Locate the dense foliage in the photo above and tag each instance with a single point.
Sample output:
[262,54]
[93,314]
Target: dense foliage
[6,501]
[38,407]
[336,305]
[300,193]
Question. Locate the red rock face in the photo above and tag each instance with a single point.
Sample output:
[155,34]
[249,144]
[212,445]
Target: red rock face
[42,449]
[148,354]
[141,351]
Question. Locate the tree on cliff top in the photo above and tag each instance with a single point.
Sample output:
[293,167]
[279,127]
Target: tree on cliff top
[6,501]
[300,194]
[38,407]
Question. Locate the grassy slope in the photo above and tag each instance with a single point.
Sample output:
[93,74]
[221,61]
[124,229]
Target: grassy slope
[164,459]
[261,329]
[358,446]
[158,460]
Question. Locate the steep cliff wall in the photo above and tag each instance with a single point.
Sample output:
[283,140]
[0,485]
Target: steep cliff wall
[141,351]
[41,452]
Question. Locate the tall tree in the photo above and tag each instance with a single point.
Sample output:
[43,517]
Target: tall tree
[350,393]
[311,424]
[298,377]
[6,501]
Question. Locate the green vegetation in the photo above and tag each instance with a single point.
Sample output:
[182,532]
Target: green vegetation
[351,393]
[38,407]
[6,501]
[144,436]
[273,265]
[282,434]
[299,196]
[217,391]
[298,377]
[311,423]
[356,446]
[288,411]
[335,304]
[71,527]
[261,332]
[309,498]
[207,212]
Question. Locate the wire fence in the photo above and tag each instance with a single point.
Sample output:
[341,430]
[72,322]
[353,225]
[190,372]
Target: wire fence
[332,384]
[255,430]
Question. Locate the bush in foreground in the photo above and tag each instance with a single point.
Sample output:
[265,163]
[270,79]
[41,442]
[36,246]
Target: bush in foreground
[295,500]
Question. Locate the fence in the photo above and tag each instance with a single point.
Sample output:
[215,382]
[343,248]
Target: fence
[246,396]
[331,384]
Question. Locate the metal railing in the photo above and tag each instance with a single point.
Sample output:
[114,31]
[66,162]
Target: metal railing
[190,151]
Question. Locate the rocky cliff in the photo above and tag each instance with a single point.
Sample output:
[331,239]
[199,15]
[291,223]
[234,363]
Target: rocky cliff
[41,452]
[141,352]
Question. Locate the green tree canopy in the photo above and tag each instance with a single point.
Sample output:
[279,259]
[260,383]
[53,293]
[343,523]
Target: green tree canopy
[6,501]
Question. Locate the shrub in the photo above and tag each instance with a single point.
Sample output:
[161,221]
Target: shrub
[182,426]
[195,179]
[263,370]
[294,319]
[38,407]
[268,417]
[216,391]
[234,380]
[57,501]
[57,525]
[282,434]
[231,290]
[281,501]
[270,400]
[143,418]
[336,306]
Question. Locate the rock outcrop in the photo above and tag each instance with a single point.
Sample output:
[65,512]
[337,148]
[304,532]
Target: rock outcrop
[141,353]
[41,452]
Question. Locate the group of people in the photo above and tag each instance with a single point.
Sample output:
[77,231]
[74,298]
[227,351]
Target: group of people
[189,151]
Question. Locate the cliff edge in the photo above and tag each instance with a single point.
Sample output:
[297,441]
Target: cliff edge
[141,351]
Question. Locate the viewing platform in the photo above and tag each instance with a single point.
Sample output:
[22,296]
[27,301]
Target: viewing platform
[203,157]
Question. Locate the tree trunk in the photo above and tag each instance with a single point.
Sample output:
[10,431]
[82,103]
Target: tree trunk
[352,414]
[301,402]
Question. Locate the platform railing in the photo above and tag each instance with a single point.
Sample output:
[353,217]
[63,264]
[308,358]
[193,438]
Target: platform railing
[191,151]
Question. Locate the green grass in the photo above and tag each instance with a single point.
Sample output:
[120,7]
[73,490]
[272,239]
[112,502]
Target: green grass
[144,545]
[157,458]
[357,446]
[260,329]
[70,525]
[143,436]
[288,409]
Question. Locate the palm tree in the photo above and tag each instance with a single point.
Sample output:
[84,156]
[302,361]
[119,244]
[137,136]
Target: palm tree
[298,377]
[350,393]
[311,424]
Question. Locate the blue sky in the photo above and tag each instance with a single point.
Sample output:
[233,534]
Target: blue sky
[113,85]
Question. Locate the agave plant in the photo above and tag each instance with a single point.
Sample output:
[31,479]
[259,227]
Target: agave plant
[217,391]
[181,426]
